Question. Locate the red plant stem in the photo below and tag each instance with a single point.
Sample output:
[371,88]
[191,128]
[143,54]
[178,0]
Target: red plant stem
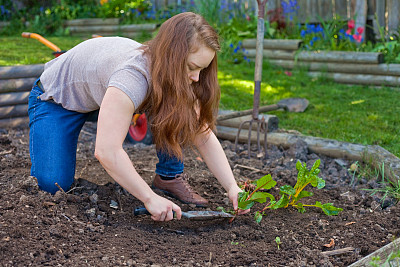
[258,188]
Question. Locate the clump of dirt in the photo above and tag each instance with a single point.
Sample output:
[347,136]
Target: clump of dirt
[93,223]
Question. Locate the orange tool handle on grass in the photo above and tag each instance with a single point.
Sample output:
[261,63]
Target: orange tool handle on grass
[42,40]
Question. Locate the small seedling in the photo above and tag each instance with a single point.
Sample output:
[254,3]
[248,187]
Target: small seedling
[278,241]
[290,196]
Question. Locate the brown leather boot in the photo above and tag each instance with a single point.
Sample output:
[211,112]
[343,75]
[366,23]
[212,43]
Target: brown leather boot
[179,189]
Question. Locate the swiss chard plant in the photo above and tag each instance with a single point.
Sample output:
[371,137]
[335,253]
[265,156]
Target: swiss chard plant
[289,196]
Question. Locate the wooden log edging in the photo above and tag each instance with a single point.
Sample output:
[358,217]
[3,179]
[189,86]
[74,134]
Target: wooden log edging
[377,155]
[273,44]
[383,253]
[107,27]
[318,56]
[373,69]
[23,71]
[15,86]
[271,120]
[377,80]
[364,68]
[91,22]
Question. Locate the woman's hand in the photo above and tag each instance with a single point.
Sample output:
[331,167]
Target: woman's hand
[233,196]
[162,209]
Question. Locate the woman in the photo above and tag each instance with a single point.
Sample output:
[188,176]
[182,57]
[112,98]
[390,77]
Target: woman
[172,77]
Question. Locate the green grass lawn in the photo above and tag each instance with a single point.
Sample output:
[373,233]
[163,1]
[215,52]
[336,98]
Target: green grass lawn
[356,114]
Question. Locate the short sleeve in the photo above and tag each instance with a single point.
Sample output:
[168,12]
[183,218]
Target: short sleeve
[132,82]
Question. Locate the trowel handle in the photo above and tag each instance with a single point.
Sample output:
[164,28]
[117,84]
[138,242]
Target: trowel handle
[141,211]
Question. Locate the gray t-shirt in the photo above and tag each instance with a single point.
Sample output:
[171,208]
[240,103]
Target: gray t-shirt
[79,78]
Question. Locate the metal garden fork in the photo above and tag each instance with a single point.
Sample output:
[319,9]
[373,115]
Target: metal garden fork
[262,125]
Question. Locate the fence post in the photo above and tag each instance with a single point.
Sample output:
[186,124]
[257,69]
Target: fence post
[341,9]
[393,20]
[361,15]
[380,20]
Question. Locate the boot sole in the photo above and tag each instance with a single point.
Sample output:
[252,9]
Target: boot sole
[172,195]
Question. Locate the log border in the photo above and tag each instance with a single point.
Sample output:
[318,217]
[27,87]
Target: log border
[362,68]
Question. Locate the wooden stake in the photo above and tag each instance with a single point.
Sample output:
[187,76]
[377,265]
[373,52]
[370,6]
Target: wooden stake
[338,251]
[59,187]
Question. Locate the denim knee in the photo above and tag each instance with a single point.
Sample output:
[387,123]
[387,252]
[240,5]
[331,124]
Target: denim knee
[53,139]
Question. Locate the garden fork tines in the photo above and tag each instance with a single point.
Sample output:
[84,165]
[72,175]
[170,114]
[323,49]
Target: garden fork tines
[261,124]
[262,127]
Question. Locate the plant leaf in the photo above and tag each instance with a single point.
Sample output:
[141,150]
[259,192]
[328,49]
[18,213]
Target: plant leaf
[302,194]
[320,183]
[298,165]
[281,203]
[261,197]
[258,216]
[316,165]
[265,182]
[328,208]
[242,196]
[287,189]
[300,207]
[245,205]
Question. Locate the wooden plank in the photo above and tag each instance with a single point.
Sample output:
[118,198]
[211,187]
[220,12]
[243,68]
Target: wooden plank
[346,78]
[371,8]
[23,71]
[113,28]
[352,8]
[342,57]
[341,9]
[361,16]
[271,5]
[302,12]
[325,9]
[380,22]
[330,56]
[91,22]
[13,111]
[393,16]
[374,69]
[284,44]
[16,85]
[272,121]
[338,251]
[14,98]
[382,254]
[328,147]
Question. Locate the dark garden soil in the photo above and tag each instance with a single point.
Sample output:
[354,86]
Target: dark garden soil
[93,224]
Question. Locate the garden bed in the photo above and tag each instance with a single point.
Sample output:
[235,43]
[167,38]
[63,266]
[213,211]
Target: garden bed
[366,68]
[107,27]
[80,228]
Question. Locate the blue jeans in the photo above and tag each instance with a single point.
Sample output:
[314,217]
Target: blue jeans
[53,140]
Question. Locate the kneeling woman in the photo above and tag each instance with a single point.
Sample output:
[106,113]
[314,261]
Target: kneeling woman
[173,78]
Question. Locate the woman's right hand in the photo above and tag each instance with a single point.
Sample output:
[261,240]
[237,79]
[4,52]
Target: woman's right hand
[162,209]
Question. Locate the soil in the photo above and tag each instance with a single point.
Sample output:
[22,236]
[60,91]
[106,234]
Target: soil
[93,223]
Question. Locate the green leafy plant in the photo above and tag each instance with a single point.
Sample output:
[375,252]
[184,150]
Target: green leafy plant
[289,196]
[388,187]
[278,241]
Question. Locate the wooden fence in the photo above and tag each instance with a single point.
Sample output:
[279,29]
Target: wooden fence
[377,13]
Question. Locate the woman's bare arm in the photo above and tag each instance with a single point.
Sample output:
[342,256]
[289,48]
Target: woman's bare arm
[215,158]
[114,119]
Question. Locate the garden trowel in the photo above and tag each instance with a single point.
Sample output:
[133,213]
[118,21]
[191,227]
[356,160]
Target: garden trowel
[192,214]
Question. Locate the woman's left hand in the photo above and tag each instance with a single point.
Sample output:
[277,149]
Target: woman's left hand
[233,197]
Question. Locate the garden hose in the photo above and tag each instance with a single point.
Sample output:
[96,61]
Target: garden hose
[42,40]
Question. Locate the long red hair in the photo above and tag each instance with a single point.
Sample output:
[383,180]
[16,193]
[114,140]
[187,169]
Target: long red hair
[172,101]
